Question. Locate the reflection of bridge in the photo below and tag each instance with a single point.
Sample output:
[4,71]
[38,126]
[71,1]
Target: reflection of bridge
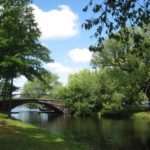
[55,105]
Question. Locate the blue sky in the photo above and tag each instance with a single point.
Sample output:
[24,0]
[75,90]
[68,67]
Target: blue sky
[60,24]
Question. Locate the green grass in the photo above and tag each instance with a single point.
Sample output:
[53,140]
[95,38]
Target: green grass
[2,116]
[16,135]
[141,115]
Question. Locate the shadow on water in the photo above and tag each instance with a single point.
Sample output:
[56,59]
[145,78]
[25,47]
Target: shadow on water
[96,134]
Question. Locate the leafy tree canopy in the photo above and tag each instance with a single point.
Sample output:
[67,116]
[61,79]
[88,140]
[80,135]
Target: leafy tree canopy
[46,88]
[81,94]
[110,16]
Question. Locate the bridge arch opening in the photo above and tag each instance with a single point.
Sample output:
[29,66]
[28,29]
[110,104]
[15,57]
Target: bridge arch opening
[39,107]
[30,107]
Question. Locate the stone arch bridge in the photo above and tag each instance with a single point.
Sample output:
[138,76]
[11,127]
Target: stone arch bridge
[55,105]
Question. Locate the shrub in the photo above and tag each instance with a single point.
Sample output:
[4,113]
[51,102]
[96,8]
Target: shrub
[111,110]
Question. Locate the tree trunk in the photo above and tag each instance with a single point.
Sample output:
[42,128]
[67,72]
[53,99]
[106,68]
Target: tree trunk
[10,97]
[5,93]
[147,92]
[148,95]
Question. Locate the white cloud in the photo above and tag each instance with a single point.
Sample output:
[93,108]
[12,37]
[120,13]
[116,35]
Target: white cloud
[58,67]
[80,55]
[57,23]
[19,82]
[61,70]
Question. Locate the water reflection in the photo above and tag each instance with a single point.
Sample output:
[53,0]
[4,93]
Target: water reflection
[94,133]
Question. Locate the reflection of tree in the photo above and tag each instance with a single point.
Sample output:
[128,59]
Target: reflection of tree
[122,135]
[30,117]
[84,131]
[102,134]
[113,134]
[142,130]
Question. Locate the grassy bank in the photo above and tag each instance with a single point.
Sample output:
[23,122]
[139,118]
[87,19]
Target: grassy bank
[141,115]
[16,135]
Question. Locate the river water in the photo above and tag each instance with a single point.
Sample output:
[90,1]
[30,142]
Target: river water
[94,133]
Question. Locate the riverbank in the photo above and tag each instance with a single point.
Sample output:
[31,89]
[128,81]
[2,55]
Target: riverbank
[16,135]
[131,112]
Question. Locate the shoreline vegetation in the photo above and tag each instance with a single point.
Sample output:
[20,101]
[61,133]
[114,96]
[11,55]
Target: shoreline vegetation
[22,136]
[130,112]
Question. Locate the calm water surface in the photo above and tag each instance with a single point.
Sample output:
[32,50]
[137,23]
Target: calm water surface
[94,133]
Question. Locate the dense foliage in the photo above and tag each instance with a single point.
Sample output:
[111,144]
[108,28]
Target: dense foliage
[132,61]
[126,76]
[109,90]
[81,95]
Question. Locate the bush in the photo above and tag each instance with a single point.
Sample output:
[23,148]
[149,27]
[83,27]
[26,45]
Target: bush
[83,109]
[110,110]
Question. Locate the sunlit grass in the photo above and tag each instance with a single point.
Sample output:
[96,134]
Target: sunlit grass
[16,135]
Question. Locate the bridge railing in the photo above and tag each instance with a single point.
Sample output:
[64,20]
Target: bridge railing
[35,97]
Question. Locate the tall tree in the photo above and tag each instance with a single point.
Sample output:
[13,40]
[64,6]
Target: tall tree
[21,53]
